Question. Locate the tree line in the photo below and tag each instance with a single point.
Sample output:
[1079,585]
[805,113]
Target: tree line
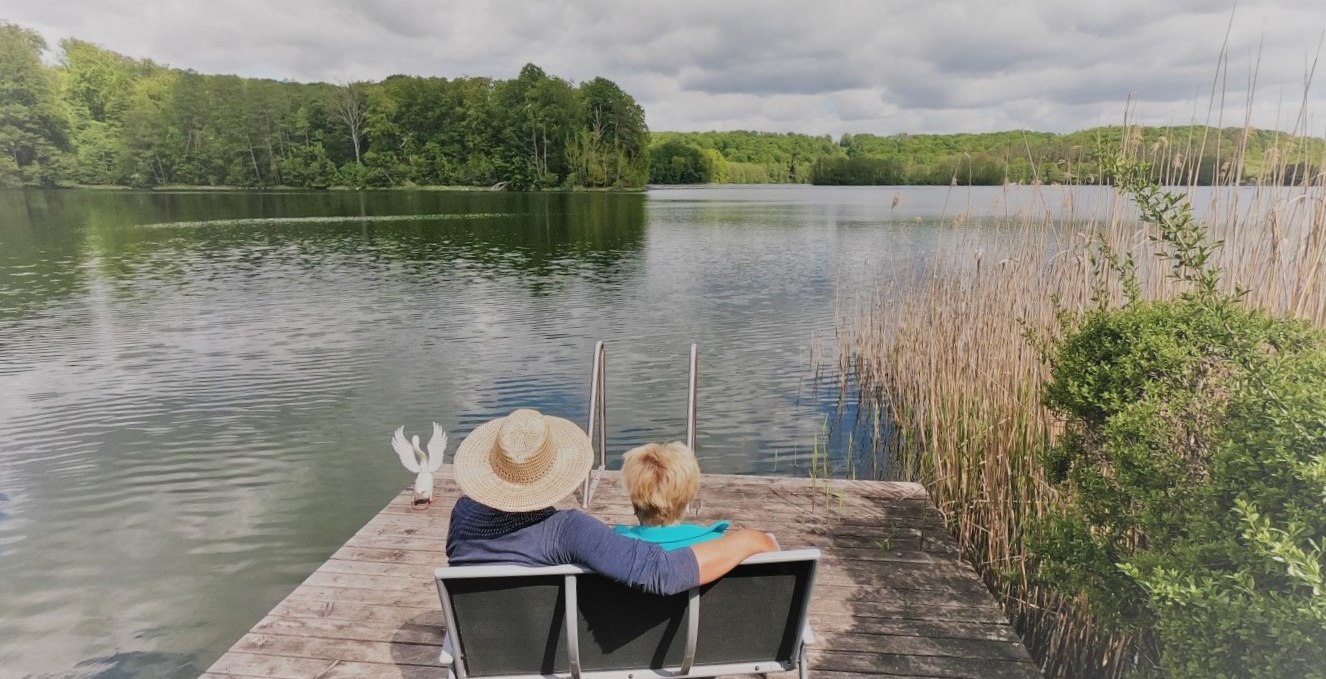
[101,118]
[1182,154]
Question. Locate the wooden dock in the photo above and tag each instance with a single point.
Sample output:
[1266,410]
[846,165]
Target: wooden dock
[891,597]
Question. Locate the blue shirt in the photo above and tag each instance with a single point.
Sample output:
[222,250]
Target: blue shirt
[676,536]
[547,537]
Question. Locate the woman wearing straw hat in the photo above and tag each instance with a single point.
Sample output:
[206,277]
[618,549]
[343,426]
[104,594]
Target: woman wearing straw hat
[512,471]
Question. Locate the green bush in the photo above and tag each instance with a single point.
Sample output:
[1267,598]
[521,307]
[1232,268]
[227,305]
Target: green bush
[1193,468]
[676,162]
[837,171]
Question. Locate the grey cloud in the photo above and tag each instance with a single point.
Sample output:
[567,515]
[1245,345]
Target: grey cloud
[399,18]
[831,67]
[776,77]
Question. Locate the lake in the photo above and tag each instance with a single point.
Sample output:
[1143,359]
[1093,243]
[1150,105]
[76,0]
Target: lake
[197,388]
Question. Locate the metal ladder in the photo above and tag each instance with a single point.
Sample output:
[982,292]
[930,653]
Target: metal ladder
[598,412]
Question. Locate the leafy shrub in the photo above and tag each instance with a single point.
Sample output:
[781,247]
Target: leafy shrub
[860,171]
[676,162]
[1193,469]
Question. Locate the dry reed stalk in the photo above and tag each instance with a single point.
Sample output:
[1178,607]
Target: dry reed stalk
[947,356]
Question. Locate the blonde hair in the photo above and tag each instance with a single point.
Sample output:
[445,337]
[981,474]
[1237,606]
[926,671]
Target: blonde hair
[662,479]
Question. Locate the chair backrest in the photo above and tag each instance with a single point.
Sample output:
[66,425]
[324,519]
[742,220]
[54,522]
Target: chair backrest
[513,621]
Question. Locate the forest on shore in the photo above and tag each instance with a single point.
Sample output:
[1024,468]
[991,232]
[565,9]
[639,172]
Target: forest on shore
[101,118]
[1181,154]
[98,118]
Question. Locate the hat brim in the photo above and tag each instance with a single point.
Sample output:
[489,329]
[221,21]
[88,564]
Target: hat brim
[473,470]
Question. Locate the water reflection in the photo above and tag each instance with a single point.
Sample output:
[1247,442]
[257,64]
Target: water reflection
[196,389]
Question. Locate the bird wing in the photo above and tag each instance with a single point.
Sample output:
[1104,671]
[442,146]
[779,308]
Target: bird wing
[404,450]
[437,448]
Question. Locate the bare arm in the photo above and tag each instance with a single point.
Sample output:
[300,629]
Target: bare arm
[717,557]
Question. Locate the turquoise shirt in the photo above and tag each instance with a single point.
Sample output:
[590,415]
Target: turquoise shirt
[675,537]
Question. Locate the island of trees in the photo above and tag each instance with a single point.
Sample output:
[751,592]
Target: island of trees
[100,118]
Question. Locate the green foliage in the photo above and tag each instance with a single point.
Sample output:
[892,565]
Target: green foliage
[134,122]
[718,172]
[676,162]
[612,147]
[34,130]
[1178,155]
[765,157]
[1192,154]
[859,171]
[748,173]
[1175,228]
[1193,465]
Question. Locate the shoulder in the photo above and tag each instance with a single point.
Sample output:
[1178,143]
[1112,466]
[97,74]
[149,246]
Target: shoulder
[574,527]
[577,534]
[578,520]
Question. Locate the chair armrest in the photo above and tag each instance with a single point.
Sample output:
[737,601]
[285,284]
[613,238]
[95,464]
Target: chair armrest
[810,554]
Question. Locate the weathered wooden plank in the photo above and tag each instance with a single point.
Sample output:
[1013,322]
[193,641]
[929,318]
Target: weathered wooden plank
[836,632]
[890,644]
[915,608]
[832,588]
[312,648]
[891,598]
[888,617]
[261,665]
[880,603]
[922,666]
[409,631]
[826,625]
[264,666]
[351,612]
[363,596]
[844,638]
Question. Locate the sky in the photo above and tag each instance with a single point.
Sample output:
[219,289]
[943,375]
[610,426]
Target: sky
[826,67]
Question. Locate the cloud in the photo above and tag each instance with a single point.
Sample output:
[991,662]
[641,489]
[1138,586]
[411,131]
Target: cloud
[848,66]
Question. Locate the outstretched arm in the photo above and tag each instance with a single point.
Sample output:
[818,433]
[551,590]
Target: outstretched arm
[586,541]
[716,557]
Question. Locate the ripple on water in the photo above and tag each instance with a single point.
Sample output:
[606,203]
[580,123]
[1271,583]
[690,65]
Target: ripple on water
[194,415]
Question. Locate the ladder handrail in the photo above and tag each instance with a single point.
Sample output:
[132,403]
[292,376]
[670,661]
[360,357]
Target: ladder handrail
[598,411]
[691,401]
[692,406]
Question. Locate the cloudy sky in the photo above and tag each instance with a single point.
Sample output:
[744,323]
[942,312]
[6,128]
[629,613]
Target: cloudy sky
[823,67]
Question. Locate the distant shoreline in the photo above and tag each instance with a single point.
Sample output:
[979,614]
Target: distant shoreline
[200,188]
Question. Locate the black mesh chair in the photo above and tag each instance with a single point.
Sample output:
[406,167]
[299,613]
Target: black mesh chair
[568,623]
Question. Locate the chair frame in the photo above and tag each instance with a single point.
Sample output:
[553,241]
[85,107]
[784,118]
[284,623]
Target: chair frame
[455,654]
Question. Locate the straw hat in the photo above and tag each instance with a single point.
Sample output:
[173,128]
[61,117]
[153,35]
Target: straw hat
[522,462]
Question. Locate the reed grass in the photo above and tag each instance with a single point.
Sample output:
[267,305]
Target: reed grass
[947,356]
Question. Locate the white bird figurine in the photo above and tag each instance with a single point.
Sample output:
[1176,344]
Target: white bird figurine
[419,462]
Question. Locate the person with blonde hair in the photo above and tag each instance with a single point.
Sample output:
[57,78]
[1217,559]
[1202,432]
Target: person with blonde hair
[663,481]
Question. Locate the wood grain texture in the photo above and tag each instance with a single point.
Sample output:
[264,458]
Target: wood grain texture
[891,599]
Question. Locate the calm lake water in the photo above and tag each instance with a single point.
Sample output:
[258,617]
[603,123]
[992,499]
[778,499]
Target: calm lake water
[197,389]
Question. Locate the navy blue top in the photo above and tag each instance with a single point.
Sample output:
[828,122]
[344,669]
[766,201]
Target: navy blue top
[547,537]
